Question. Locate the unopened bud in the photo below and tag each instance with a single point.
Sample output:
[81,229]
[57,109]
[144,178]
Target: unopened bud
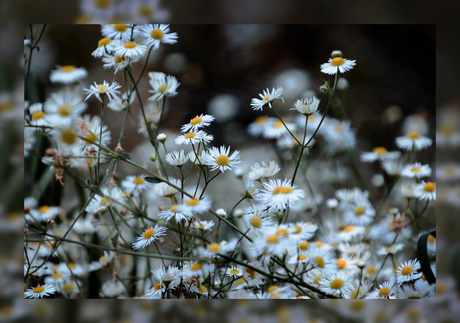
[153,157]
[119,149]
[222,213]
[162,137]
[361,264]
[324,88]
[239,213]
[336,53]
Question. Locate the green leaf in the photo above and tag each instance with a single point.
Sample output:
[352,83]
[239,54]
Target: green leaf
[153,179]
[124,156]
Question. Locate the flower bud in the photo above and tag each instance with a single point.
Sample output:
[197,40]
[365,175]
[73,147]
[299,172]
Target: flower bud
[239,213]
[361,264]
[153,157]
[162,137]
[222,213]
[324,88]
[336,53]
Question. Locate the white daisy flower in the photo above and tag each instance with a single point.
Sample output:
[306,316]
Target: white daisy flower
[67,74]
[135,183]
[43,213]
[64,106]
[413,141]
[103,261]
[280,194]
[257,218]
[72,269]
[100,90]
[392,167]
[119,31]
[194,138]
[271,243]
[321,258]
[257,127]
[90,129]
[40,291]
[149,236]
[251,189]
[385,290]
[425,191]
[157,34]
[203,225]
[416,170]
[263,172]
[359,211]
[267,96]
[391,249]
[337,64]
[407,271]
[195,205]
[162,85]
[101,203]
[307,106]
[118,63]
[173,212]
[217,248]
[177,158]
[121,103]
[130,49]
[233,271]
[104,46]
[220,158]
[337,283]
[379,153]
[165,190]
[88,225]
[200,121]
[170,276]
[199,160]
[301,231]
[38,117]
[196,269]
[277,129]
[350,232]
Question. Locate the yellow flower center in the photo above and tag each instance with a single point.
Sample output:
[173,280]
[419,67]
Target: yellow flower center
[256,222]
[157,34]
[173,208]
[234,271]
[298,229]
[68,287]
[251,273]
[337,61]
[38,289]
[214,247]
[360,210]
[380,150]
[162,88]
[384,291]
[103,4]
[138,181]
[119,59]
[276,295]
[192,202]
[303,245]
[390,248]
[272,239]
[149,233]
[189,135]
[430,187]
[44,209]
[317,279]
[349,228]
[67,68]
[145,11]
[277,124]
[91,137]
[413,135]
[339,128]
[105,201]
[202,289]
[56,275]
[337,283]
[196,267]
[272,288]
[120,27]
[222,160]
[342,263]
[195,121]
[406,270]
[130,44]
[103,42]
[68,136]
[38,115]
[431,239]
[319,243]
[302,257]
[282,232]
[266,98]
[6,106]
[319,261]
[159,286]
[415,169]
[282,190]
[71,265]
[260,120]
[102,88]
[65,110]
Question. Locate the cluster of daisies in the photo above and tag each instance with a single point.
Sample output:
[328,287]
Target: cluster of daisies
[285,240]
